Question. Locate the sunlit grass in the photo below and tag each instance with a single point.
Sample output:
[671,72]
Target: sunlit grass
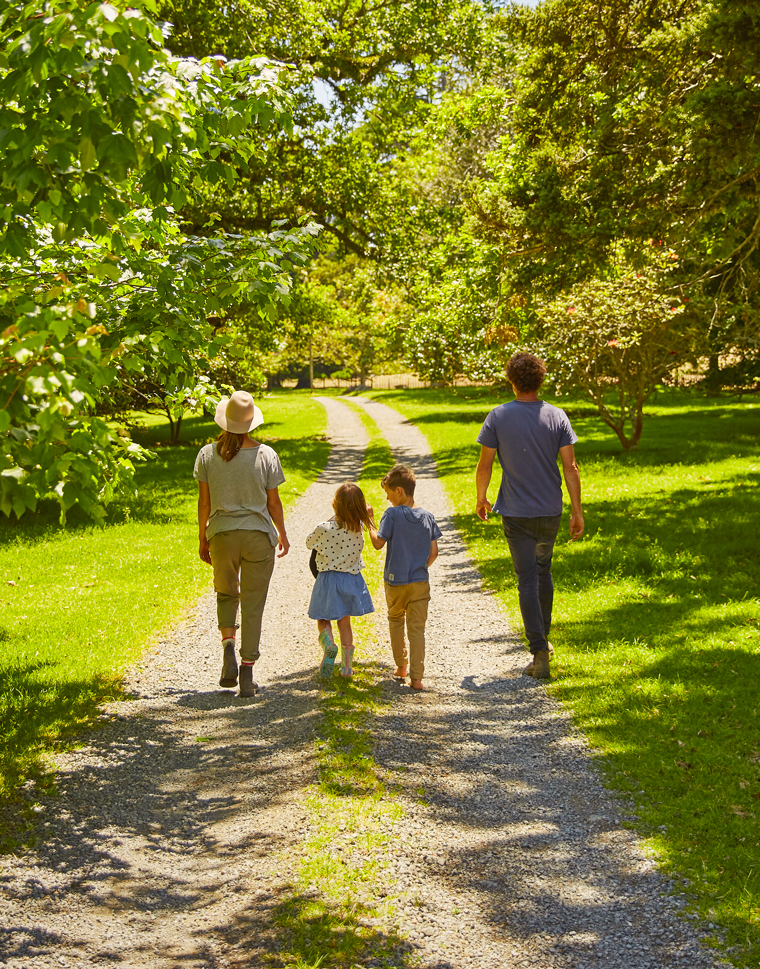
[77,604]
[341,888]
[657,622]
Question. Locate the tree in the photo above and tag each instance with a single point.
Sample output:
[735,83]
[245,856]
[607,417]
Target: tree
[618,338]
[104,134]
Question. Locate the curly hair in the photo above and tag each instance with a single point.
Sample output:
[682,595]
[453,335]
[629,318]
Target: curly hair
[525,372]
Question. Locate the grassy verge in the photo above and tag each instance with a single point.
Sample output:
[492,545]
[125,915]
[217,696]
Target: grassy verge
[657,625]
[78,603]
[341,888]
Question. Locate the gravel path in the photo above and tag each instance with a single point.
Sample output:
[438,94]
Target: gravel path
[516,854]
[179,821]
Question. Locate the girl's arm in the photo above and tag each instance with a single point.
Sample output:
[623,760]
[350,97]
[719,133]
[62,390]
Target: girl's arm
[433,553]
[274,507]
[204,510]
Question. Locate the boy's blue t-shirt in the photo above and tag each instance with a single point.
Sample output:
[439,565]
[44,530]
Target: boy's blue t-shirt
[408,532]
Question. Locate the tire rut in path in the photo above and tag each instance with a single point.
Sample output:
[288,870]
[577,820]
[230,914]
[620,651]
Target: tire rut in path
[516,854]
[168,844]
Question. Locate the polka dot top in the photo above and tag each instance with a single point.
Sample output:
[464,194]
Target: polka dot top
[338,549]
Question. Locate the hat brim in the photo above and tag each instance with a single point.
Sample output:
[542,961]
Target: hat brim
[236,427]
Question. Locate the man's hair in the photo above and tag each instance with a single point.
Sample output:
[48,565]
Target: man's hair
[525,372]
[350,508]
[401,476]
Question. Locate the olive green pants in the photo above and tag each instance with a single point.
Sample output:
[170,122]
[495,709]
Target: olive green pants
[408,604]
[243,561]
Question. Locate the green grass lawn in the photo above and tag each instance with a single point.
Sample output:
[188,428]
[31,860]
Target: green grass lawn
[78,603]
[656,623]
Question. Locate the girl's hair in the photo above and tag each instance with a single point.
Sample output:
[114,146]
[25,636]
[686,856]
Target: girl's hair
[228,445]
[350,508]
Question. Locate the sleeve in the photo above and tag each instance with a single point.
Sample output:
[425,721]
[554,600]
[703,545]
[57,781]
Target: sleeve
[567,435]
[313,540]
[199,471]
[274,477]
[385,530]
[487,437]
[435,531]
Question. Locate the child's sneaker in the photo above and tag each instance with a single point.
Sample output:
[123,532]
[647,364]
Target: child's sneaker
[330,652]
[346,656]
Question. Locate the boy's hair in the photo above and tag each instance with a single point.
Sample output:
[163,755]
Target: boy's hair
[350,508]
[525,372]
[401,476]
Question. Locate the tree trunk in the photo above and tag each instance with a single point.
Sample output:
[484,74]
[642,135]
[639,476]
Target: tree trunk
[311,358]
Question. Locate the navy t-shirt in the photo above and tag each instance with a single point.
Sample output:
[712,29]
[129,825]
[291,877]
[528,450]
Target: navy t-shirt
[527,435]
[408,532]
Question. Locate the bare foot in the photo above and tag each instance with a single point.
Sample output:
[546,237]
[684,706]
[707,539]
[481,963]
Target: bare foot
[416,684]
[400,673]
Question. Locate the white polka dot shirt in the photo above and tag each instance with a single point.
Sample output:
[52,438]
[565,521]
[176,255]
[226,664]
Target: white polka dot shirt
[338,549]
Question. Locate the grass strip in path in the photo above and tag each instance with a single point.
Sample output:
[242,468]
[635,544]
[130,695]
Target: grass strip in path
[657,623]
[79,603]
[342,897]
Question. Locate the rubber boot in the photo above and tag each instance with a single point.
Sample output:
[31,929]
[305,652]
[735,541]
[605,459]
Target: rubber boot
[346,657]
[247,685]
[330,652]
[229,665]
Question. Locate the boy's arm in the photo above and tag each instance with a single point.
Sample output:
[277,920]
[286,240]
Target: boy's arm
[377,542]
[433,553]
[374,537]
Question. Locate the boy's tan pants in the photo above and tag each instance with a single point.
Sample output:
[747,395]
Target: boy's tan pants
[243,561]
[410,603]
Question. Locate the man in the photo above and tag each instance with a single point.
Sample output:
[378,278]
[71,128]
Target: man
[528,434]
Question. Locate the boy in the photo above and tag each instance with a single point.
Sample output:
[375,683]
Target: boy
[411,534]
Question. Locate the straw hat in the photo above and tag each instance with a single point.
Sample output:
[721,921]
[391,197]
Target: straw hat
[238,414]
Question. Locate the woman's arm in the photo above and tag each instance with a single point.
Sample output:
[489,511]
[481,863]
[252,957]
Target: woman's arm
[204,510]
[274,507]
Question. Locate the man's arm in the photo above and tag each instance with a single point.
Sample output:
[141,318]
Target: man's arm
[483,480]
[274,507]
[433,553]
[204,510]
[573,482]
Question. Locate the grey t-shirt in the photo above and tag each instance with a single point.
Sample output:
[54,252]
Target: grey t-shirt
[408,532]
[238,488]
[528,435]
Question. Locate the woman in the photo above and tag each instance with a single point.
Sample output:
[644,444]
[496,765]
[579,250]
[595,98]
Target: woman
[240,520]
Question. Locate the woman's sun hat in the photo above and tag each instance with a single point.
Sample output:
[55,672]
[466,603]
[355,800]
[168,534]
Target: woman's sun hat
[238,414]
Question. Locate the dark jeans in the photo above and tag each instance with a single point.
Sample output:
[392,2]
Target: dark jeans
[531,542]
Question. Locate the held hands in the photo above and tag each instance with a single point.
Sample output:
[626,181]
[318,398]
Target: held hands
[482,508]
[576,525]
[284,545]
[203,552]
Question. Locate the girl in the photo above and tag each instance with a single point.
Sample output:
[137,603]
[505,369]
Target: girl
[240,521]
[340,590]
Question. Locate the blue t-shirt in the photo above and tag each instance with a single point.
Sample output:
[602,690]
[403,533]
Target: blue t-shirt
[408,532]
[527,435]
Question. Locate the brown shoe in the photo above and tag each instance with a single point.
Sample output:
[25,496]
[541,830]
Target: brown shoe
[247,685]
[528,671]
[229,675]
[541,664]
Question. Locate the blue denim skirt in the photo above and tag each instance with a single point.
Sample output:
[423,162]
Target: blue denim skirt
[339,594]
